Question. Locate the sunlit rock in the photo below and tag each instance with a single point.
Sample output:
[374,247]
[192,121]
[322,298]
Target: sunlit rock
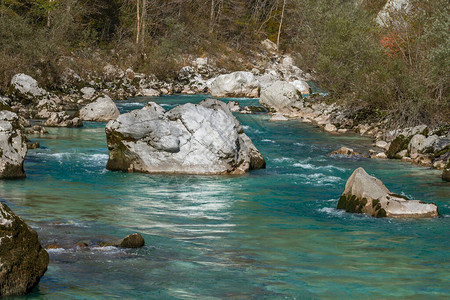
[103,109]
[237,84]
[189,139]
[13,148]
[366,194]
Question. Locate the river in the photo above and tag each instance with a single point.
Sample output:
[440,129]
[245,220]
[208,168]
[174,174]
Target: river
[270,234]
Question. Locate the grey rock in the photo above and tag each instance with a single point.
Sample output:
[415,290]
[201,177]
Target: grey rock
[190,139]
[366,194]
[237,84]
[419,143]
[62,119]
[103,109]
[27,87]
[280,97]
[13,148]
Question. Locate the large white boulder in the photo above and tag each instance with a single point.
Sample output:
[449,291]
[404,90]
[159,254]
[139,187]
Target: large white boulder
[281,97]
[189,139]
[13,147]
[366,194]
[23,261]
[237,84]
[103,109]
[26,87]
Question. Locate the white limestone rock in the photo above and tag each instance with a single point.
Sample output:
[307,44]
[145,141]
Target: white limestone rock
[103,109]
[13,147]
[27,87]
[420,143]
[366,194]
[237,84]
[149,93]
[330,128]
[87,93]
[189,139]
[281,97]
[301,86]
[278,117]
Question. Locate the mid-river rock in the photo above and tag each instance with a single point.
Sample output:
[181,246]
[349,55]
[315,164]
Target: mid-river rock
[22,259]
[366,194]
[134,240]
[237,84]
[13,147]
[189,139]
[103,109]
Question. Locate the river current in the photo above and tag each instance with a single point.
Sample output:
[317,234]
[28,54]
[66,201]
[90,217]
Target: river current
[270,234]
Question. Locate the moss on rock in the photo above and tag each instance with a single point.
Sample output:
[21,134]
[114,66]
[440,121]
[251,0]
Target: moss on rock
[400,143]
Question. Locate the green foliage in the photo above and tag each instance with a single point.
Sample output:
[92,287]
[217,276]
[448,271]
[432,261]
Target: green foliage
[340,42]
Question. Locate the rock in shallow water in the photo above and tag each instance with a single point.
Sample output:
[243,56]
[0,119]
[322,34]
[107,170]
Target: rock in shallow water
[134,240]
[366,194]
[103,109]
[13,147]
[189,139]
[22,259]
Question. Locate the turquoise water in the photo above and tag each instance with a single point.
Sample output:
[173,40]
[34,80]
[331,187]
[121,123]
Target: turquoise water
[270,234]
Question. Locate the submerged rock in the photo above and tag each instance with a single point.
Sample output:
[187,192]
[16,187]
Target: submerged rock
[13,147]
[366,194]
[134,240]
[189,139]
[237,84]
[103,109]
[22,259]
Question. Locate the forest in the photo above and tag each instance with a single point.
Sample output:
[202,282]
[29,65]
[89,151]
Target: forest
[401,67]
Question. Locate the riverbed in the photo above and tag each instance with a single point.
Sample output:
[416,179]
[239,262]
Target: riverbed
[272,233]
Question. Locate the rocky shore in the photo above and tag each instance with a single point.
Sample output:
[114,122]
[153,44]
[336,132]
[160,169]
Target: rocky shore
[282,87]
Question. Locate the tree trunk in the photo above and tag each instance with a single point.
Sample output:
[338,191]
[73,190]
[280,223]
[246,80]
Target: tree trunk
[138,17]
[281,24]
[143,17]
[48,14]
[211,18]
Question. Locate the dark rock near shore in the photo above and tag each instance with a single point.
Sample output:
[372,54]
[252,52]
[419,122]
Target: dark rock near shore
[22,259]
[446,173]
